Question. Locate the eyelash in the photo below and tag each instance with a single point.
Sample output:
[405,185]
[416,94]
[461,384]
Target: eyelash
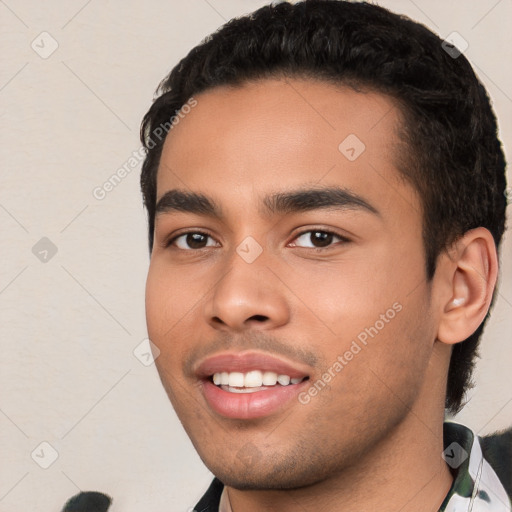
[341,238]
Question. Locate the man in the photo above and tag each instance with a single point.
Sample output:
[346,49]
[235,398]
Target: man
[326,195]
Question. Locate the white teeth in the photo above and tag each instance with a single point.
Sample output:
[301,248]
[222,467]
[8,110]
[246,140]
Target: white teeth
[284,380]
[236,379]
[253,379]
[242,390]
[269,379]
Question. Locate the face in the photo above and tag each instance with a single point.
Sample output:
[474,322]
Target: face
[286,291]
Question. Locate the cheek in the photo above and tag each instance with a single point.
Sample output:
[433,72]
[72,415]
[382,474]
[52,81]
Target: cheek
[173,303]
[165,306]
[345,298]
[158,300]
[170,295]
[371,310]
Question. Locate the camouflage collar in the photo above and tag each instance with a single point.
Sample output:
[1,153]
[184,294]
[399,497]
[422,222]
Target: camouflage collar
[476,487]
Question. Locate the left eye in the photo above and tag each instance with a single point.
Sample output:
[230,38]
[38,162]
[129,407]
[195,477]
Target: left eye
[317,239]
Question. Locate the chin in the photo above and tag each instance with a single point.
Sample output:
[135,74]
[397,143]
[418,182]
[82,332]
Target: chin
[271,474]
[264,482]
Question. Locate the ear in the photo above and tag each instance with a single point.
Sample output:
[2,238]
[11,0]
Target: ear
[468,274]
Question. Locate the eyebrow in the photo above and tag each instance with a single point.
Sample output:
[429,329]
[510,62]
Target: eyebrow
[295,201]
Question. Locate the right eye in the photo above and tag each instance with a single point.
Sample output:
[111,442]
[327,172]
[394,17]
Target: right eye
[192,240]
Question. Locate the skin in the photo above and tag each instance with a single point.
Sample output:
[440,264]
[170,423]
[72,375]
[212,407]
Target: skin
[372,438]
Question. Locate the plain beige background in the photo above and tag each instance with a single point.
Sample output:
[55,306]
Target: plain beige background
[71,321]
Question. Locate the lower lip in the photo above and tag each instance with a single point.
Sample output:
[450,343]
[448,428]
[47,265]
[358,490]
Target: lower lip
[249,405]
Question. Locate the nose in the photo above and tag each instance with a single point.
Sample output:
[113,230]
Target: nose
[248,295]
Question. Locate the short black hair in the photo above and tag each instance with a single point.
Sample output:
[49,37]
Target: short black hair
[453,156]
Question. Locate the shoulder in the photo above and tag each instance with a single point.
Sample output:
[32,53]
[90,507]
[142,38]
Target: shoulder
[497,450]
[481,467]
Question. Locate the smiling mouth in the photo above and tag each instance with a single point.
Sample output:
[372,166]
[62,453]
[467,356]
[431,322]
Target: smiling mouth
[253,381]
[250,384]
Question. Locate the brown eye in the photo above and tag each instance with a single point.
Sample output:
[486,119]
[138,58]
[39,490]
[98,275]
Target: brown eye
[193,240]
[317,239]
[321,238]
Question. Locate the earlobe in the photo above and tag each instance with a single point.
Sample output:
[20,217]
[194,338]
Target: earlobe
[471,273]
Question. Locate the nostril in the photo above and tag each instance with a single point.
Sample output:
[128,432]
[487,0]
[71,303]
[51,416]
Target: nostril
[259,318]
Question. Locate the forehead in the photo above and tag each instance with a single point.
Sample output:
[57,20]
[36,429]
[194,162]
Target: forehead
[279,133]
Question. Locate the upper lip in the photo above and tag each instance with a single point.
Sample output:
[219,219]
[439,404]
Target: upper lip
[247,361]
